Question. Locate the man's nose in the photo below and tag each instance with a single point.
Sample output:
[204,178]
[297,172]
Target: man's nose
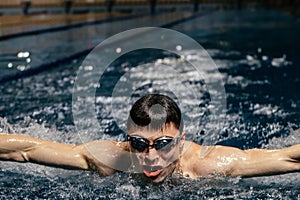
[151,156]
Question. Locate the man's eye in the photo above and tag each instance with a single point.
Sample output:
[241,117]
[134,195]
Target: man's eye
[162,143]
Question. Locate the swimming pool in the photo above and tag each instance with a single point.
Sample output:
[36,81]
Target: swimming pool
[257,56]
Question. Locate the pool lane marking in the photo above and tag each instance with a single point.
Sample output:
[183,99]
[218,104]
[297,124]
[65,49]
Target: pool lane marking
[27,20]
[66,27]
[49,65]
[182,20]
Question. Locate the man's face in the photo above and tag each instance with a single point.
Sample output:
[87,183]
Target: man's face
[159,150]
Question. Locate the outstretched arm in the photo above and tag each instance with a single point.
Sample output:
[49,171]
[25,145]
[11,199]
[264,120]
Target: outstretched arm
[260,162]
[22,148]
[230,161]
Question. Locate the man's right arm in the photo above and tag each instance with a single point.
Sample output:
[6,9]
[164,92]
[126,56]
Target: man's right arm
[22,148]
[88,156]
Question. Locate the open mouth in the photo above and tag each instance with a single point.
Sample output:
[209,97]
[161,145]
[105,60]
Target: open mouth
[152,171]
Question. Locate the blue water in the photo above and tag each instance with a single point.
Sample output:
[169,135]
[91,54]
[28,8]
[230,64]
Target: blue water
[257,57]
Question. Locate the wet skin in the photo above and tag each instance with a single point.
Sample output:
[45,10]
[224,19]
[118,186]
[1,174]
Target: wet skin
[188,158]
[158,164]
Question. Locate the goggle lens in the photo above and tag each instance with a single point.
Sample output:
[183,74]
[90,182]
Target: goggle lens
[141,144]
[138,143]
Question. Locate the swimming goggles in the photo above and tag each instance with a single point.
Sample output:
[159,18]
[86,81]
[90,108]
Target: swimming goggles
[163,143]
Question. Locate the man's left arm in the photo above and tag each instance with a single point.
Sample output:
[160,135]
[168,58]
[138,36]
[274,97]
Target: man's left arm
[262,162]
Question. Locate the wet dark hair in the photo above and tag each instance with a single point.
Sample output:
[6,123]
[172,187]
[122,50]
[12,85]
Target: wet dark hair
[153,111]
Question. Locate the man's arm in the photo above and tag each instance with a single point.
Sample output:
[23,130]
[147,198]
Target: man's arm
[230,161]
[22,148]
[261,162]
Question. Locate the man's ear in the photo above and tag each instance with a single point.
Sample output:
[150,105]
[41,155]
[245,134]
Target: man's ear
[183,135]
[182,140]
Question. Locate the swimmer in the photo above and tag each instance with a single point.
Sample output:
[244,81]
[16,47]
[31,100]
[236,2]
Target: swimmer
[155,147]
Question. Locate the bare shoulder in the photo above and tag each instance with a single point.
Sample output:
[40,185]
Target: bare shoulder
[203,161]
[193,150]
[106,156]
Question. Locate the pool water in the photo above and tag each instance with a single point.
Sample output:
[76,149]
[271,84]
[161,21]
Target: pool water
[257,57]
